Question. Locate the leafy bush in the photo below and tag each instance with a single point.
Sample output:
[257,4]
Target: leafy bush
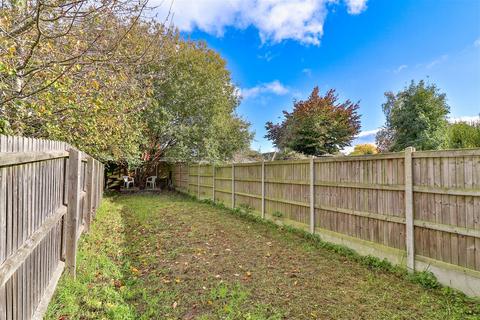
[277,214]
[425,278]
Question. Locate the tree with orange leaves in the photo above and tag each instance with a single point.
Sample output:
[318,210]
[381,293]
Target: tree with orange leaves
[317,126]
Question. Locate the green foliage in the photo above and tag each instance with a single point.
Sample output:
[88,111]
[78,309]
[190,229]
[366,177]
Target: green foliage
[192,115]
[286,154]
[246,207]
[116,85]
[415,117]
[277,214]
[317,126]
[425,278]
[74,79]
[464,135]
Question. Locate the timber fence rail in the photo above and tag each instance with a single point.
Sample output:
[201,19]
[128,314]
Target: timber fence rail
[419,209]
[49,192]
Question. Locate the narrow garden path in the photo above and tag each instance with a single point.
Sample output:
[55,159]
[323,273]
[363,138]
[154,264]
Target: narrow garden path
[170,257]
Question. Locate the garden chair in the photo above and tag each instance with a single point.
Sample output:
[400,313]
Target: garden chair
[151,182]
[127,181]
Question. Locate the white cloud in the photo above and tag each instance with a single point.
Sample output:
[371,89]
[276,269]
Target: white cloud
[274,87]
[400,68]
[347,150]
[437,61]
[367,133]
[268,56]
[476,43]
[356,6]
[307,72]
[276,20]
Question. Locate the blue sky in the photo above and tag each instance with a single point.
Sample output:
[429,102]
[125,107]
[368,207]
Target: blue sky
[278,50]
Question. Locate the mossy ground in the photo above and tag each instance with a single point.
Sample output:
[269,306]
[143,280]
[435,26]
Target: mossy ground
[170,257]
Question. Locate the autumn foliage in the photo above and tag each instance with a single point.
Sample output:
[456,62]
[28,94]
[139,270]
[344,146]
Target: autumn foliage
[317,126]
[363,149]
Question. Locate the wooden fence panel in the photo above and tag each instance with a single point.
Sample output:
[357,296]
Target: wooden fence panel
[287,190]
[32,223]
[248,186]
[421,209]
[362,198]
[180,176]
[205,180]
[223,184]
[446,195]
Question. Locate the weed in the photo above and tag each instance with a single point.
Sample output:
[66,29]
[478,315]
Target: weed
[277,214]
[425,278]
[246,208]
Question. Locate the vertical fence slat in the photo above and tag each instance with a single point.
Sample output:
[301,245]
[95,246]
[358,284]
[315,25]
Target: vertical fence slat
[89,201]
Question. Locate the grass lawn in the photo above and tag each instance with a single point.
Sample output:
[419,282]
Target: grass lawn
[170,257]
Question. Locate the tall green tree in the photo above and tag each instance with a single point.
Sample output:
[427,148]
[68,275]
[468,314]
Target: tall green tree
[464,134]
[415,116]
[192,113]
[316,126]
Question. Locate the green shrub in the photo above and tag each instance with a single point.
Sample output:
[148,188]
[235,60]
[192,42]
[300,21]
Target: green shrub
[425,278]
[277,214]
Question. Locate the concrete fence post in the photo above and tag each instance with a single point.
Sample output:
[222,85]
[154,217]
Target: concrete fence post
[198,181]
[312,195]
[73,209]
[213,182]
[263,189]
[233,185]
[409,214]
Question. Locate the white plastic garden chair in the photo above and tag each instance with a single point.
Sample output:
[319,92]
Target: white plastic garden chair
[151,181]
[127,181]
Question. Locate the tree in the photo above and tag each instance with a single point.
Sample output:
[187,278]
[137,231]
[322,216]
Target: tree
[415,116]
[464,135]
[43,41]
[100,76]
[319,125]
[192,114]
[362,149]
[68,71]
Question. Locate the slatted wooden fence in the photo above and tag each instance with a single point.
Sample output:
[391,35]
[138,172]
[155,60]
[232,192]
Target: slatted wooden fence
[49,192]
[421,209]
